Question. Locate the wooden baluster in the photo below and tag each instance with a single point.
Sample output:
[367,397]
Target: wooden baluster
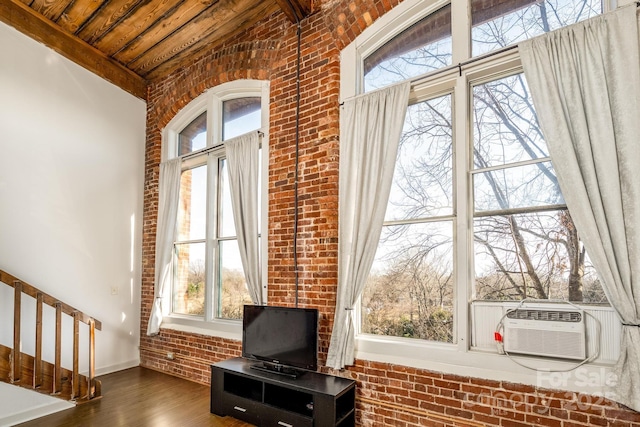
[75,378]
[57,369]
[92,359]
[16,352]
[37,362]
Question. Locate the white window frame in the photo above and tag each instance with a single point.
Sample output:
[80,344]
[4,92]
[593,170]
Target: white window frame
[211,101]
[459,358]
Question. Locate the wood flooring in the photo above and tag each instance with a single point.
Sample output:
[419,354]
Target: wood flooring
[140,397]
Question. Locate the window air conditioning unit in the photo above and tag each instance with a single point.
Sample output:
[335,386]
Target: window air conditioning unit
[548,332]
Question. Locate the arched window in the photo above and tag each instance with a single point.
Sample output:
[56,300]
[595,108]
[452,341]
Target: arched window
[475,218]
[208,286]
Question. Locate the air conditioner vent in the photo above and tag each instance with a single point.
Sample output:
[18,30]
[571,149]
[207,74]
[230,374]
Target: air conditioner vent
[548,315]
[546,332]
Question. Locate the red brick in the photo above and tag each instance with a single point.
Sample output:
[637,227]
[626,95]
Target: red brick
[598,421]
[536,420]
[619,414]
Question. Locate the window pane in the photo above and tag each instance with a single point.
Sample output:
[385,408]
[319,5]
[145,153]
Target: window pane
[409,292]
[192,211]
[529,254]
[189,283]
[233,286]
[534,255]
[423,178]
[225,210]
[194,136]
[517,187]
[423,47]
[240,116]
[499,23]
[506,128]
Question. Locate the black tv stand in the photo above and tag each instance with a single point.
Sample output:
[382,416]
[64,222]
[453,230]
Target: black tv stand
[276,368]
[261,397]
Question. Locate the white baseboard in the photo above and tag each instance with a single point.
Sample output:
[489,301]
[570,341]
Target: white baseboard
[104,370]
[117,367]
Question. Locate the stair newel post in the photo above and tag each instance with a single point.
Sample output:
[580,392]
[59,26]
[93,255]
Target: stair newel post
[57,368]
[16,352]
[92,359]
[37,362]
[75,381]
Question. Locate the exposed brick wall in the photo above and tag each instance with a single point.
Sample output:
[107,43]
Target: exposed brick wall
[388,395]
[317,184]
[392,395]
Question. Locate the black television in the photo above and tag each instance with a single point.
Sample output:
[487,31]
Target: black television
[283,339]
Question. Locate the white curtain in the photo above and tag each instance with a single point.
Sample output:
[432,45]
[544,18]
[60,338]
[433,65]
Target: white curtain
[244,168]
[165,234]
[370,129]
[585,83]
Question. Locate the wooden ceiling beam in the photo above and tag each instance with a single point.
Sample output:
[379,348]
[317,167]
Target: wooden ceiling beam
[34,25]
[296,10]
[225,29]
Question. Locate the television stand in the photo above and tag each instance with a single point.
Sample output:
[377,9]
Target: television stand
[277,369]
[267,398]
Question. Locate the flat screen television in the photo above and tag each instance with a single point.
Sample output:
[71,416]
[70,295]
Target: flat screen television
[285,339]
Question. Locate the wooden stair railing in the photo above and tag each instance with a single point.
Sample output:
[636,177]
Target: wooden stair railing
[33,372]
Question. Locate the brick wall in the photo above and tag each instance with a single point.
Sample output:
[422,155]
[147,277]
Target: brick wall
[392,395]
[387,394]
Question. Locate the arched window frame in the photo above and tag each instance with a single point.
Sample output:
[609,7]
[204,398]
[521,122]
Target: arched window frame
[211,102]
[460,358]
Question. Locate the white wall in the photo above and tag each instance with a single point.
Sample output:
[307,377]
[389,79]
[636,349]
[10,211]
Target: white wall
[71,187]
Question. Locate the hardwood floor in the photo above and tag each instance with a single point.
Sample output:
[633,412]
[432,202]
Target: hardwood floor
[142,397]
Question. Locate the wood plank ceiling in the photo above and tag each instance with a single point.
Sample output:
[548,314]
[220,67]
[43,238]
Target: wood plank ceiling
[130,42]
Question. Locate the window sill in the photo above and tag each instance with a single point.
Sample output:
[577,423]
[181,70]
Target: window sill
[592,378]
[228,329]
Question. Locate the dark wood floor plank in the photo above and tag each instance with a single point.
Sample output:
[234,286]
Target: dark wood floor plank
[142,397]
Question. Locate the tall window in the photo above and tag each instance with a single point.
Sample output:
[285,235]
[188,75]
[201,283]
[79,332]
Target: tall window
[475,211]
[209,281]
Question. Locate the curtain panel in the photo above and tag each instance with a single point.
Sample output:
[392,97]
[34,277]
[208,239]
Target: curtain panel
[585,84]
[165,235]
[243,159]
[370,130]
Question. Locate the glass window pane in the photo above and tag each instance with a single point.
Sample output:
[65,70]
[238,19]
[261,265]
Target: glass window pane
[189,283]
[423,178]
[240,116]
[233,286]
[225,210]
[194,136]
[423,47]
[192,211]
[506,127]
[534,255]
[516,187]
[499,23]
[409,292]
